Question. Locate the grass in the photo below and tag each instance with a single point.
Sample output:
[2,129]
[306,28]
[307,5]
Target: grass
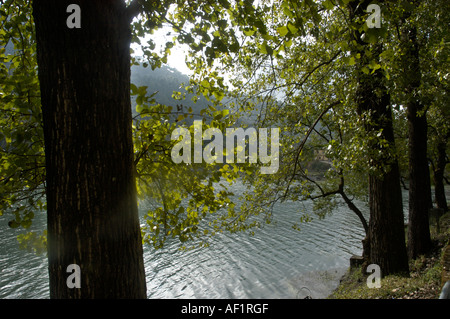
[424,281]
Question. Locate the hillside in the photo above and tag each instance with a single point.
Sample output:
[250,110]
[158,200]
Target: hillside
[165,81]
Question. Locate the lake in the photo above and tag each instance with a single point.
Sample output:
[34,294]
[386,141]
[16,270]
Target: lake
[277,262]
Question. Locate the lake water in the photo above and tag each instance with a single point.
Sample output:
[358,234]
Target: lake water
[277,262]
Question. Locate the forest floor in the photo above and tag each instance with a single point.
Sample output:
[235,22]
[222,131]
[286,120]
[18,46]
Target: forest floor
[425,280]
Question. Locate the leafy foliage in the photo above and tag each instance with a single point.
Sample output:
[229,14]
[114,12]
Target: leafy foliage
[180,195]
[22,159]
[288,64]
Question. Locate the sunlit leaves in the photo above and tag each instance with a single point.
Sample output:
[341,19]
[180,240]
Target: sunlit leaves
[283,30]
[181,196]
[291,73]
[288,61]
[33,242]
[21,137]
[264,48]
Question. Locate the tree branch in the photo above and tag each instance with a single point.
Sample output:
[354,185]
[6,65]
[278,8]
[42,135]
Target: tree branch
[344,196]
[300,148]
[355,209]
[307,75]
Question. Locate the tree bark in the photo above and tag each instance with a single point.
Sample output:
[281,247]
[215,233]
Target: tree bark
[385,242]
[438,176]
[386,235]
[419,239]
[93,221]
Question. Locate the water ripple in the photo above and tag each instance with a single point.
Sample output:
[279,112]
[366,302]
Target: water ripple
[277,262]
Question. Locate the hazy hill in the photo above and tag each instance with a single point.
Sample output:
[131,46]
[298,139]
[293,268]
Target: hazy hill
[165,81]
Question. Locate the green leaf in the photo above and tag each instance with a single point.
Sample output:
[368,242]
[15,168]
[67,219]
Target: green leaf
[133,89]
[351,61]
[205,84]
[13,224]
[292,28]
[265,49]
[218,95]
[328,4]
[249,33]
[139,100]
[283,31]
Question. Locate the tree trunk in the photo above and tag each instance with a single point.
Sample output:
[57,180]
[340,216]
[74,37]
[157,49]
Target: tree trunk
[438,176]
[419,239]
[386,236]
[385,242]
[386,225]
[93,221]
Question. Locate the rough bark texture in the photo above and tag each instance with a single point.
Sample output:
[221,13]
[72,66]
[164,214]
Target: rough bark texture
[386,236]
[385,242]
[91,197]
[438,176]
[419,239]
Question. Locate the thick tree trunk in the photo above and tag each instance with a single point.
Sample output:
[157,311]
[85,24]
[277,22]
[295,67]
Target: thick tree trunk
[386,236]
[438,176]
[385,242]
[419,239]
[93,221]
[386,225]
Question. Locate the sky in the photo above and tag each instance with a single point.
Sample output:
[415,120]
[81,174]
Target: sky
[177,57]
